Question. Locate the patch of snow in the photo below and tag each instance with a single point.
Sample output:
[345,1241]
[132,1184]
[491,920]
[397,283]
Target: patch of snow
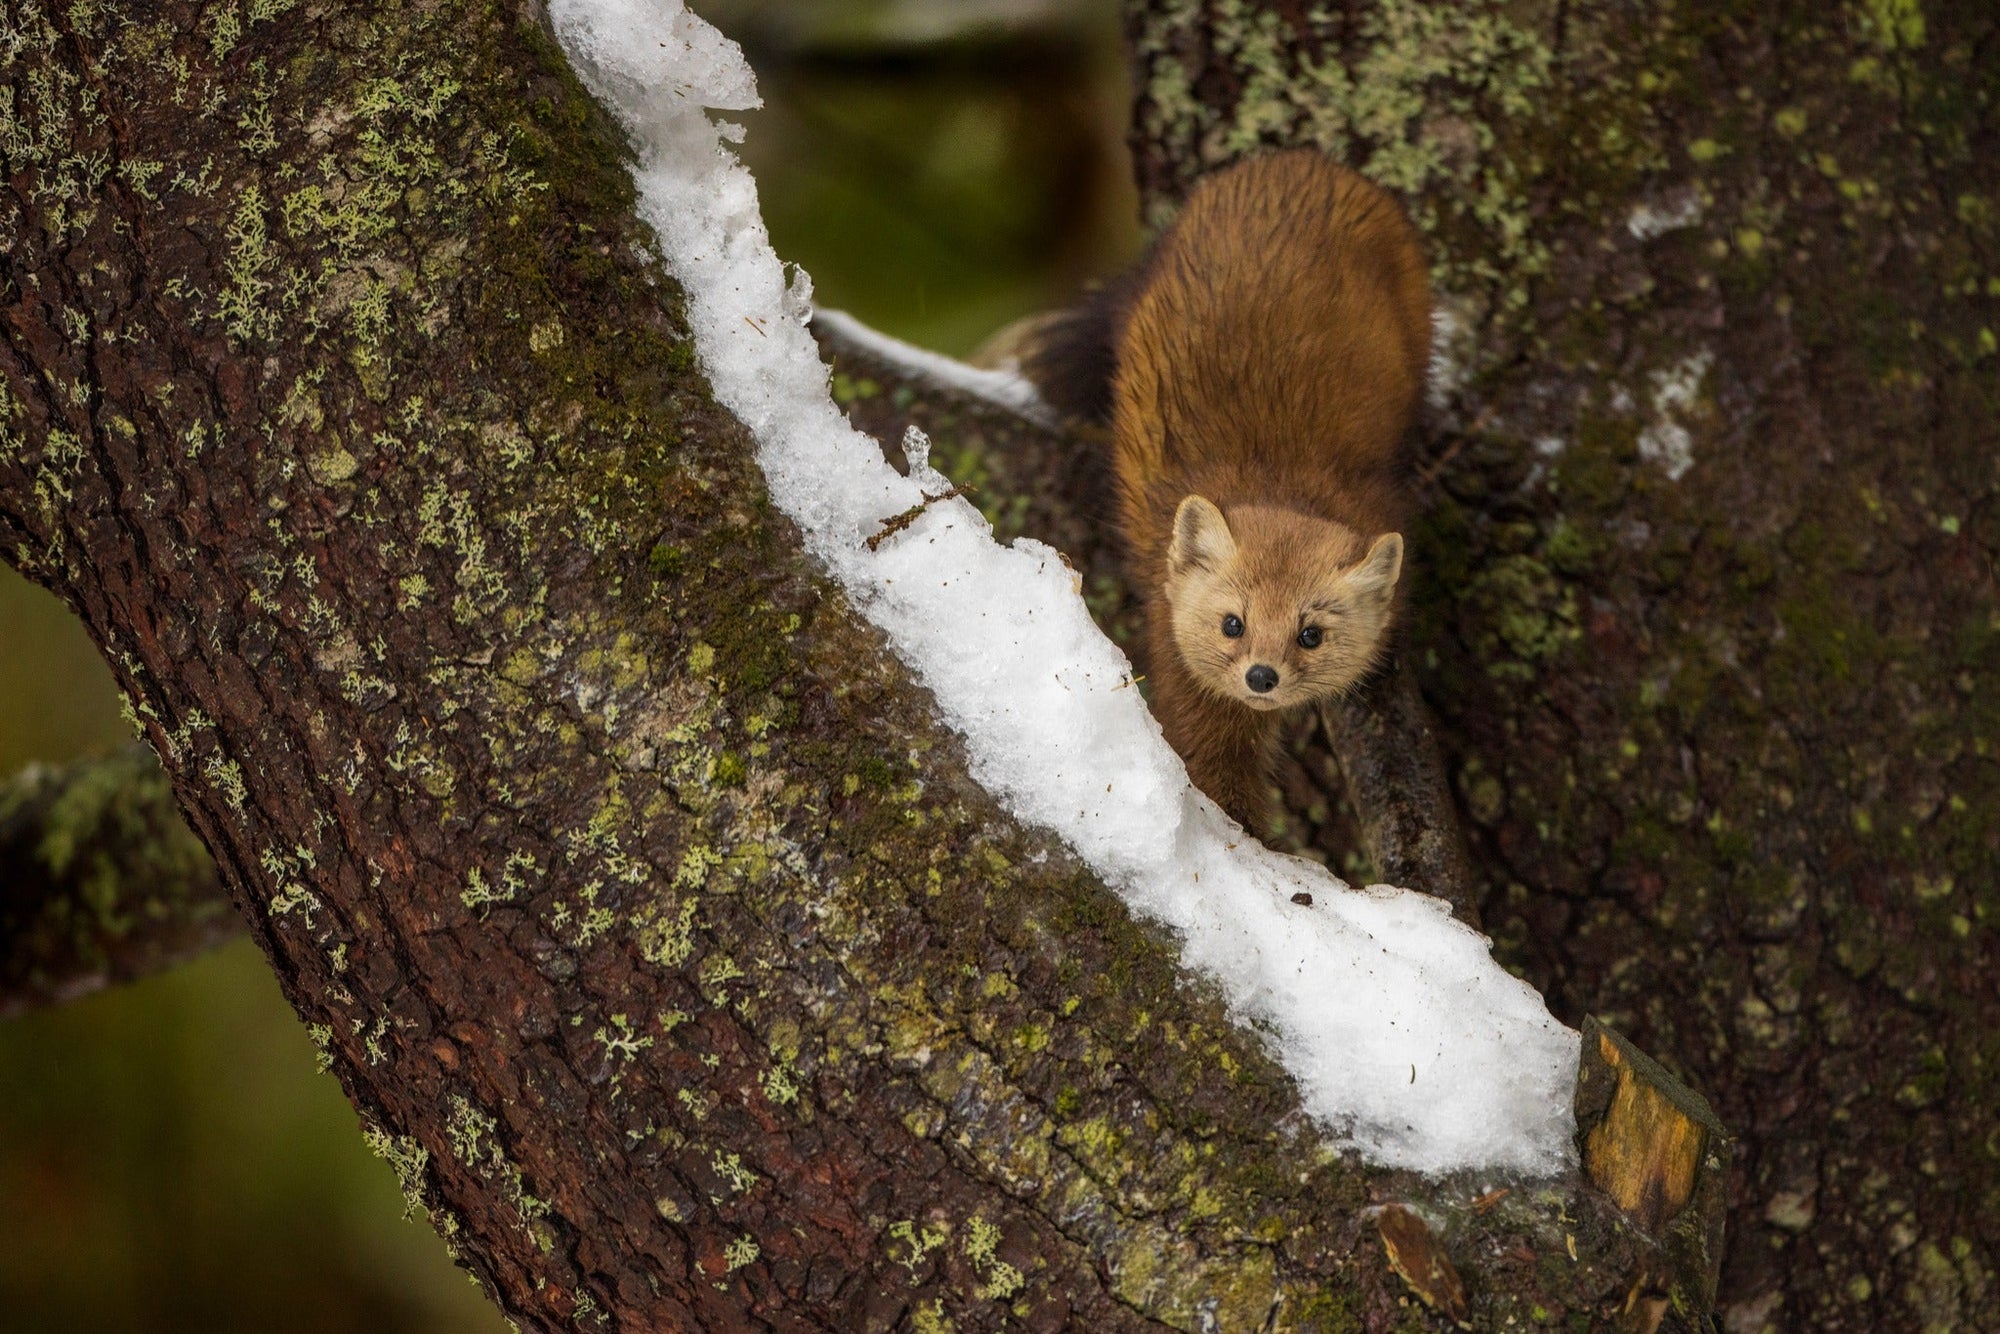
[1676,388]
[1407,1041]
[1634,534]
[1669,444]
[1675,391]
[1677,212]
[1451,361]
[1004,389]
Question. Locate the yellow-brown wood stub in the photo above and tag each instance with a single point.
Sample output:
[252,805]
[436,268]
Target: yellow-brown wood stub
[1418,1256]
[1644,1151]
[1652,1144]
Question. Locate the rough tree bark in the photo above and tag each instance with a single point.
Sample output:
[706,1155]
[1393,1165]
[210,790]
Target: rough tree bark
[629,886]
[1706,602]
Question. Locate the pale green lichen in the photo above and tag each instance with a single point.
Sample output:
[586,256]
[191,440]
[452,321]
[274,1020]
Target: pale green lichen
[718,970]
[741,1252]
[919,1243]
[322,1040]
[779,1085]
[410,1160]
[478,893]
[55,479]
[999,1279]
[665,932]
[287,873]
[729,1166]
[619,1042]
[475,1142]
[244,304]
[470,1131]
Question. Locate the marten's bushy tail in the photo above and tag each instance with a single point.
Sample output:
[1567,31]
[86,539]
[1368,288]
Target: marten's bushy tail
[1071,355]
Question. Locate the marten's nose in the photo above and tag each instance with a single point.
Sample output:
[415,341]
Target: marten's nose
[1261,679]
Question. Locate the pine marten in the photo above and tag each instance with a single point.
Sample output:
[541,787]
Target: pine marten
[1258,372]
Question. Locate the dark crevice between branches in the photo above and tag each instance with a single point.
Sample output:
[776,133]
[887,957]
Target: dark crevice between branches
[101,882]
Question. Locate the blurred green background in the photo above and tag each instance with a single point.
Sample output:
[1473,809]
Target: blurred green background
[170,1157]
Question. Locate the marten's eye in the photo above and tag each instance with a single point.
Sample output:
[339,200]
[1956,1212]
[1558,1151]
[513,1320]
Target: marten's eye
[1232,626]
[1309,637]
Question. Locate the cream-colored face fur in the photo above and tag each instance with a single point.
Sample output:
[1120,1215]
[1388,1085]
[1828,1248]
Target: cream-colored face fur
[1278,579]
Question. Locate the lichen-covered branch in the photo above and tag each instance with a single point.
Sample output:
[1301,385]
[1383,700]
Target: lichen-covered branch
[100,881]
[631,889]
[1704,603]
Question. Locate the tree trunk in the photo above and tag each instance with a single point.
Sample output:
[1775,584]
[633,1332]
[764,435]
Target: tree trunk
[1705,601]
[632,890]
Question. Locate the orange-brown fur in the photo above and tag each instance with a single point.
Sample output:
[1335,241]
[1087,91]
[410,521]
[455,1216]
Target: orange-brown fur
[1268,361]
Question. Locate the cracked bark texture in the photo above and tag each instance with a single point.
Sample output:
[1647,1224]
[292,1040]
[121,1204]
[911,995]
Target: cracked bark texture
[100,881]
[629,887]
[1706,603]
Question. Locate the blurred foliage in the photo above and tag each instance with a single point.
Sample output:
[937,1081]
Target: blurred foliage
[170,1157]
[941,190]
[56,697]
[873,26]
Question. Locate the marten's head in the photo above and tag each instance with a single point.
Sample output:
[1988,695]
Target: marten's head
[1273,608]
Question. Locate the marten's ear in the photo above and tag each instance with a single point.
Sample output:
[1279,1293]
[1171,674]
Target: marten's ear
[1375,577]
[1201,538]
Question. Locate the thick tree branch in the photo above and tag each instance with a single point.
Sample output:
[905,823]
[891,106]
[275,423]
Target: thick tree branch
[100,881]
